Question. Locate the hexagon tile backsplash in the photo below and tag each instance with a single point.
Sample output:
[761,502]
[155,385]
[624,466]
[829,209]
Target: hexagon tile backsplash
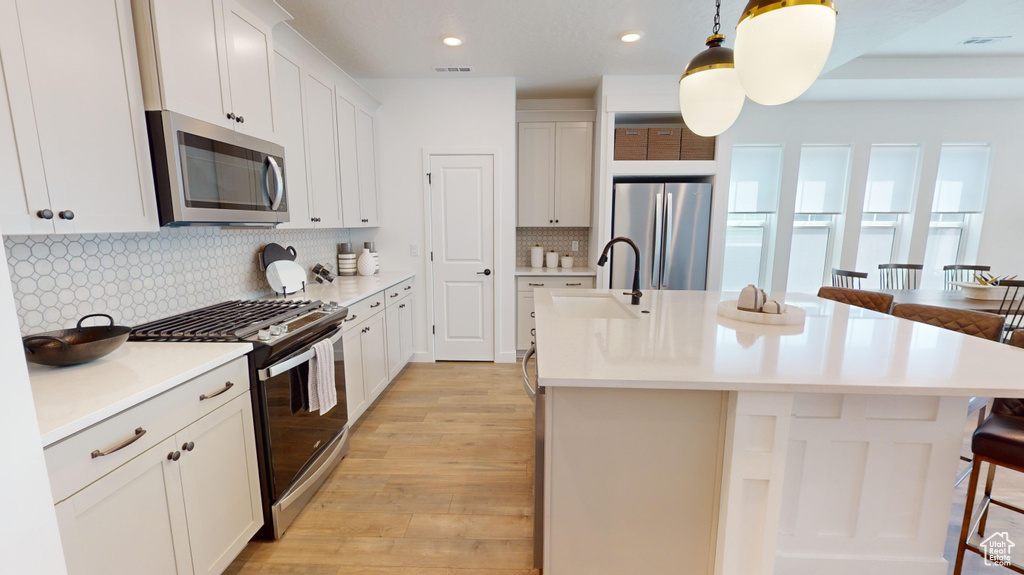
[140,277]
[558,239]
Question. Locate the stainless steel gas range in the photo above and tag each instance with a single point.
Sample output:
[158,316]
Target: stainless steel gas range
[296,449]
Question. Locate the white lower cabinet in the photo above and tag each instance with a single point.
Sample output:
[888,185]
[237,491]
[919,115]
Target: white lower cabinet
[376,375]
[525,322]
[399,320]
[187,505]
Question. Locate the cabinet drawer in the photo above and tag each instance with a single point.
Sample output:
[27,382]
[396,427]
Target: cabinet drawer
[395,293]
[363,309]
[529,283]
[70,463]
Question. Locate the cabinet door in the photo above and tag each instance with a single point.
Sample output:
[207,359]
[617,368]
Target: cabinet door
[290,134]
[87,94]
[524,320]
[220,483]
[22,183]
[394,329]
[405,320]
[574,148]
[355,391]
[251,70]
[367,155]
[192,56]
[375,356]
[536,186]
[348,162]
[130,521]
[322,150]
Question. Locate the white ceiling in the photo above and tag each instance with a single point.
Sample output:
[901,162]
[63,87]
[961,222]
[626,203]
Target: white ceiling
[559,49]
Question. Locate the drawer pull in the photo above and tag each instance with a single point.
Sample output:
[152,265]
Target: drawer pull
[572,285]
[407,288]
[226,387]
[375,305]
[352,318]
[537,285]
[394,294]
[533,314]
[139,432]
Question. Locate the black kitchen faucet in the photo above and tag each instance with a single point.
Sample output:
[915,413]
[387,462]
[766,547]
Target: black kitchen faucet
[636,294]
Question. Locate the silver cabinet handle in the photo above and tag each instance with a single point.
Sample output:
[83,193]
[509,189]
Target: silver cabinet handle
[278,180]
[224,389]
[139,432]
[530,390]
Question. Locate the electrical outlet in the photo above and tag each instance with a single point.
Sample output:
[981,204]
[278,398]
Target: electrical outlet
[414,249]
[575,245]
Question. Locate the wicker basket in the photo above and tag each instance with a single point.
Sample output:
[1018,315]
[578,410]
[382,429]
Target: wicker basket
[630,143]
[663,143]
[694,147]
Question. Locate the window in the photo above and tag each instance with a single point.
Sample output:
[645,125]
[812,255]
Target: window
[889,194]
[961,187]
[820,196]
[753,201]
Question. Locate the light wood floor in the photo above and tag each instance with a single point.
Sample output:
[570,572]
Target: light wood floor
[439,481]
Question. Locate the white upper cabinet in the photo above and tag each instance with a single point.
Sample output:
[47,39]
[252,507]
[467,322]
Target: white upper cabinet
[211,60]
[321,147]
[76,119]
[348,161]
[290,134]
[367,156]
[555,164]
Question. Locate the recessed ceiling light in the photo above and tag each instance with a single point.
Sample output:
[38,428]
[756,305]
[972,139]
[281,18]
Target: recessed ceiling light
[630,36]
[451,41]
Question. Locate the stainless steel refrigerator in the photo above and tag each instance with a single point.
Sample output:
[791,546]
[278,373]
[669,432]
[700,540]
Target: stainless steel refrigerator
[670,223]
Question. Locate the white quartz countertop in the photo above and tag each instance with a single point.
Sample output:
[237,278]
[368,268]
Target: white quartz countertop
[566,272]
[70,399]
[347,290]
[683,344]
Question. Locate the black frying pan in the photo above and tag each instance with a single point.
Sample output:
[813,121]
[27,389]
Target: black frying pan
[74,346]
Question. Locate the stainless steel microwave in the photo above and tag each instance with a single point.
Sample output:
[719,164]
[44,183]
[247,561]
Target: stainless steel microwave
[209,175]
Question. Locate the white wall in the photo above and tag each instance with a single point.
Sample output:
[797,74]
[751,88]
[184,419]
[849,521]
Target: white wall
[444,116]
[29,541]
[929,124]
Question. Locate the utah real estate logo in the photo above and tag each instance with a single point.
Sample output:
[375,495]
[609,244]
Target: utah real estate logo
[997,549]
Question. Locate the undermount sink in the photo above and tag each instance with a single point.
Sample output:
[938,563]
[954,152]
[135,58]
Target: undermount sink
[592,305]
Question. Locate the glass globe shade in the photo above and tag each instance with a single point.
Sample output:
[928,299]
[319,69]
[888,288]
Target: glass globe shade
[779,53]
[710,100]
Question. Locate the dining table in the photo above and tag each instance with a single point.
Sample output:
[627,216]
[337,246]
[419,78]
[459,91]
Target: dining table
[955,299]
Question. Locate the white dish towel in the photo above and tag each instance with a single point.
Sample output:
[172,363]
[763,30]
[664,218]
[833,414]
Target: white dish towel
[323,395]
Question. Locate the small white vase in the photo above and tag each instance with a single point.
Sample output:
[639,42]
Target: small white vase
[567,262]
[365,263]
[537,257]
[552,259]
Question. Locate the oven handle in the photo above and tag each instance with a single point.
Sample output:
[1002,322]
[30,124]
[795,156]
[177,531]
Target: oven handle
[294,360]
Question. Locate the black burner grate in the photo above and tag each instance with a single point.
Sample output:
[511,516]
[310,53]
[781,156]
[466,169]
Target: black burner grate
[220,322]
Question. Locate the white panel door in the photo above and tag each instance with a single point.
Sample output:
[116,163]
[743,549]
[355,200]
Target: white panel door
[375,356]
[355,391]
[348,163]
[574,148]
[193,58]
[367,156]
[536,184]
[221,485]
[251,70]
[84,75]
[462,239]
[290,134]
[321,147]
[22,183]
[130,521]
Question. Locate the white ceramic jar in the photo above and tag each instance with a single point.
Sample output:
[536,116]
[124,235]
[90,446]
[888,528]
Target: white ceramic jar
[537,256]
[552,260]
[567,262]
[366,264]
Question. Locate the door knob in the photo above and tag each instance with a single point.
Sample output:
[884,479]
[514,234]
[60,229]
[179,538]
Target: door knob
[66,215]
[45,214]
[484,273]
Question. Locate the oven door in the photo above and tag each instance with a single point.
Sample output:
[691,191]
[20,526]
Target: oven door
[296,436]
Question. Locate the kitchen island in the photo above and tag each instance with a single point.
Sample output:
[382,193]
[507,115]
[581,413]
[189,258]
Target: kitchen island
[678,441]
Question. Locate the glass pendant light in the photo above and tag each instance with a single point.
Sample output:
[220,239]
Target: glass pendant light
[710,94]
[782,46]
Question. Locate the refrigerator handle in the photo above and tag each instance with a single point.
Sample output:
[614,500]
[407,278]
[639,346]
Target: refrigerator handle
[659,236]
[666,240]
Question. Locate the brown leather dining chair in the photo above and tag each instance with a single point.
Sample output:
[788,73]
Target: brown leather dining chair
[880,302]
[976,323]
[899,276]
[998,441]
[847,278]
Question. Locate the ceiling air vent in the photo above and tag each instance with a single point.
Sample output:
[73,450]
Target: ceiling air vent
[985,39]
[453,69]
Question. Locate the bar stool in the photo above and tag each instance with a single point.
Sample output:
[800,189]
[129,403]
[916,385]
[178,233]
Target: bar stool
[874,301]
[847,278]
[899,276]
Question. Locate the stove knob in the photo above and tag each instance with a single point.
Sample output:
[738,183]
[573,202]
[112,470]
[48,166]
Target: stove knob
[263,335]
[284,328]
[334,305]
[275,330]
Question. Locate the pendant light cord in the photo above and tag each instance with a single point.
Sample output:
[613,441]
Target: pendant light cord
[718,19]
